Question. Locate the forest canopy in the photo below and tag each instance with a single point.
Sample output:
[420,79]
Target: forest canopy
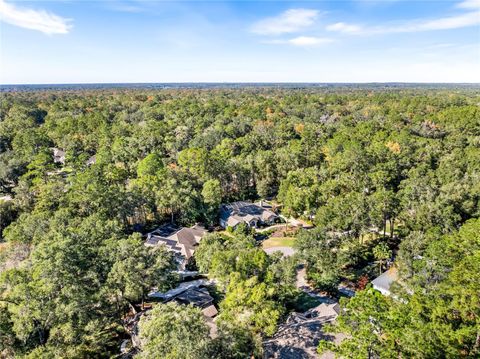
[403,162]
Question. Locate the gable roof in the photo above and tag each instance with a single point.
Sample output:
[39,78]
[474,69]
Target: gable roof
[182,287]
[182,241]
[383,282]
[326,311]
[299,336]
[242,211]
[198,297]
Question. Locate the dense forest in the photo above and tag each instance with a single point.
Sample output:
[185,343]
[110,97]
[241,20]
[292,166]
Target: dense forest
[381,174]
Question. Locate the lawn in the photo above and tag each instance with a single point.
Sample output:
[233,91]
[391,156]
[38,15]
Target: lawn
[278,242]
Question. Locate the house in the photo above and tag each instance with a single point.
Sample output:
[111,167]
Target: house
[198,297]
[58,155]
[189,293]
[383,282]
[301,333]
[252,214]
[182,242]
[186,293]
[168,295]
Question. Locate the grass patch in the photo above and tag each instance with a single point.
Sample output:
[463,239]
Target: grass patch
[278,242]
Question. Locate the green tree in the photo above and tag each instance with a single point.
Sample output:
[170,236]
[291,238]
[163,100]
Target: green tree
[233,342]
[137,268]
[173,331]
[320,251]
[365,321]
[150,165]
[381,253]
[251,303]
[8,213]
[212,193]
[212,196]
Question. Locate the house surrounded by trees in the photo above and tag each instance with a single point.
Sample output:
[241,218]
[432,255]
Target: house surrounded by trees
[383,282]
[181,241]
[252,214]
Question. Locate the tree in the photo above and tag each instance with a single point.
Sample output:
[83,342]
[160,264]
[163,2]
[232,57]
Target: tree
[382,253]
[233,342]
[365,321]
[251,303]
[320,251]
[150,165]
[173,331]
[212,196]
[195,160]
[137,268]
[8,213]
[434,314]
[346,159]
[66,295]
[383,206]
[299,192]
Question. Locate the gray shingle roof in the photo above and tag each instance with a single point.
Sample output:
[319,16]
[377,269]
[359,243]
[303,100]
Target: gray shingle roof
[198,297]
[182,241]
[242,211]
[383,282]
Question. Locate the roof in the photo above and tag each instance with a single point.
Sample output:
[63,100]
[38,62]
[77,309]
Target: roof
[182,287]
[171,244]
[242,211]
[198,297]
[300,335]
[327,311]
[182,241]
[165,230]
[210,311]
[383,282]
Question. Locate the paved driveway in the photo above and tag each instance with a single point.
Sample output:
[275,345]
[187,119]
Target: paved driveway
[286,251]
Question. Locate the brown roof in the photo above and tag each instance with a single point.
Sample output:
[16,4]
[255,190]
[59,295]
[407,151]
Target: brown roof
[182,240]
[210,311]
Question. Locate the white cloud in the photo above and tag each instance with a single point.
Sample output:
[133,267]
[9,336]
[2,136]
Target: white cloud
[345,28]
[446,23]
[309,41]
[306,41]
[469,4]
[39,20]
[289,21]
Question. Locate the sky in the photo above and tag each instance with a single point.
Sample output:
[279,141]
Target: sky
[118,41]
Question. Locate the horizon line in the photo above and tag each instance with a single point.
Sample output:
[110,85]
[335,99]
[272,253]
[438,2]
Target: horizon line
[244,83]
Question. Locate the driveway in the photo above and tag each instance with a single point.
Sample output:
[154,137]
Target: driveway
[286,251]
[302,284]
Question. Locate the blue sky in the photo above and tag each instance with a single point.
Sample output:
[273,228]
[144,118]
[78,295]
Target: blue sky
[68,41]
